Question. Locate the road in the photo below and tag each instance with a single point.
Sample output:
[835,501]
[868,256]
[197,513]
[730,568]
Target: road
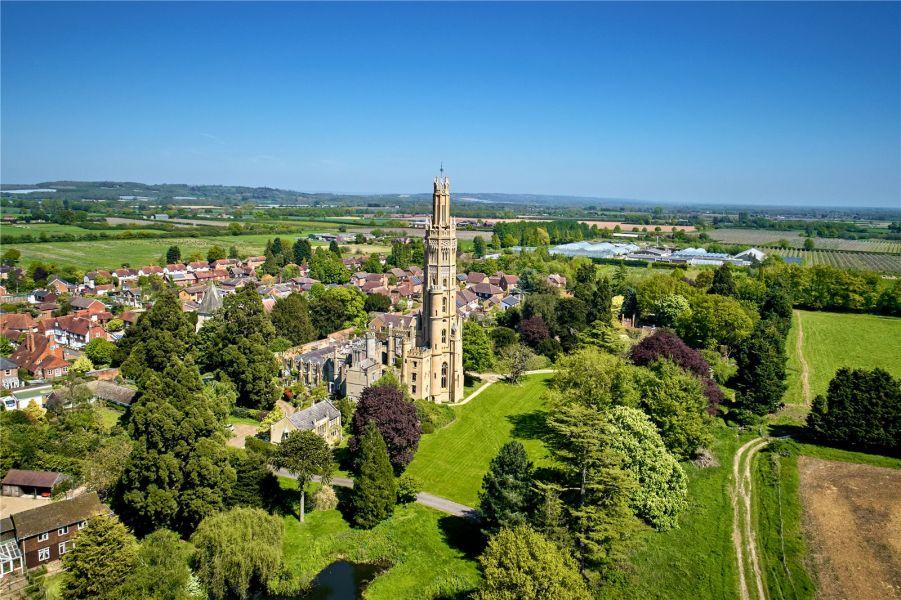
[426,499]
[743,536]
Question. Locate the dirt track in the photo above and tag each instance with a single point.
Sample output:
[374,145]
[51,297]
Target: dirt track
[743,535]
[852,520]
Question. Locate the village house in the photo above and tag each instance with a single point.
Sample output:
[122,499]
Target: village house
[41,356]
[72,331]
[9,371]
[252,262]
[322,418]
[125,274]
[22,397]
[45,533]
[14,325]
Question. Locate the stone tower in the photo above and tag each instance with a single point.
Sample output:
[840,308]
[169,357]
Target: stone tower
[440,329]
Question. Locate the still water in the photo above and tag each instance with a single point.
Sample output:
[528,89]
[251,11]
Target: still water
[343,580]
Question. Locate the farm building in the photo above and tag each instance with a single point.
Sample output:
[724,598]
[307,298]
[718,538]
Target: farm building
[31,483]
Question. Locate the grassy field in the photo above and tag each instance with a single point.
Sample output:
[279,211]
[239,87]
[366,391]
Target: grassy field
[110,416]
[695,561]
[835,340]
[778,522]
[113,253]
[452,461]
[431,554]
[35,229]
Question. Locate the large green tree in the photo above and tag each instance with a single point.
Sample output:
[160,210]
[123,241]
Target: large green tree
[862,409]
[291,318]
[375,489]
[327,267]
[304,454]
[674,400]
[178,471]
[760,379]
[521,563]
[661,493]
[161,335]
[478,354]
[303,251]
[506,495]
[236,549]
[161,570]
[101,561]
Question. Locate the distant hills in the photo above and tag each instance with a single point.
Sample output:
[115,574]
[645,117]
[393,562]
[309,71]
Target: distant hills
[179,193]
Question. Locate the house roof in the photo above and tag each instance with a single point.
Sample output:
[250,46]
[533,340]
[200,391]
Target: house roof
[6,364]
[105,390]
[57,514]
[32,478]
[308,417]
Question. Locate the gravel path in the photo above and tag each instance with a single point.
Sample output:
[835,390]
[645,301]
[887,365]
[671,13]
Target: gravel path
[426,499]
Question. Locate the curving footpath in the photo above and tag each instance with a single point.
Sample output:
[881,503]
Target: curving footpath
[490,378]
[743,535]
[426,499]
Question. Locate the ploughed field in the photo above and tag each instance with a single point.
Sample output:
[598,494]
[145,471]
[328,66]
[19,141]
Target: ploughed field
[853,527]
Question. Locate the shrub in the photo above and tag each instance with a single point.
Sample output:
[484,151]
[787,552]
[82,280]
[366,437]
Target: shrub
[325,498]
[407,489]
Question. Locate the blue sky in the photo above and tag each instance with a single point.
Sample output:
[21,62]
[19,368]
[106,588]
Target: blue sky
[745,103]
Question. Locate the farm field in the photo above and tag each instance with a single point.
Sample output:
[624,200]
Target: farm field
[883,263]
[432,554]
[107,254]
[851,519]
[835,340]
[695,561]
[36,229]
[452,461]
[764,237]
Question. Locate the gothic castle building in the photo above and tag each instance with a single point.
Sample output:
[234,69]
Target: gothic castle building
[424,349]
[430,350]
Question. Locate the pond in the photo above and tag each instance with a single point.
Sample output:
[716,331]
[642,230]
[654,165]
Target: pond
[343,580]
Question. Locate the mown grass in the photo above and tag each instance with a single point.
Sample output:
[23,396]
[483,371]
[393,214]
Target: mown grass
[452,461]
[837,454]
[836,340]
[696,560]
[432,555]
[778,523]
[233,420]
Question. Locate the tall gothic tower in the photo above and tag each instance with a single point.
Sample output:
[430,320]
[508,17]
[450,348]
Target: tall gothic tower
[440,329]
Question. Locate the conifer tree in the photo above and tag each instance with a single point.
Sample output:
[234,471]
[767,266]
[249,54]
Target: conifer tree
[100,561]
[161,335]
[723,284]
[506,495]
[303,251]
[375,489]
[760,380]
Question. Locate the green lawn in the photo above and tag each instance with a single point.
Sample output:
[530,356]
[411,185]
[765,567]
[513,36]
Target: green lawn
[431,554]
[452,461]
[110,416]
[233,420]
[35,229]
[835,340]
[695,561]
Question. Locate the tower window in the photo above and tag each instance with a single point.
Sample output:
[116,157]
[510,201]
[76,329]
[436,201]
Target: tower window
[444,304]
[444,336]
[444,375]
